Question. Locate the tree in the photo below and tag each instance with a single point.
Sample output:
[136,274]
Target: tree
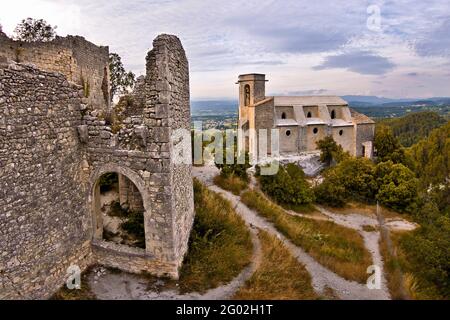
[121,81]
[387,146]
[353,178]
[413,127]
[288,186]
[330,151]
[397,186]
[331,191]
[31,30]
[431,158]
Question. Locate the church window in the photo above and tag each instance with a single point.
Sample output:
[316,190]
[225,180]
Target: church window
[288,133]
[309,115]
[315,131]
[333,114]
[283,115]
[247,95]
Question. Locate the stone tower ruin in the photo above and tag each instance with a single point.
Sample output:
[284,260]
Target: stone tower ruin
[56,142]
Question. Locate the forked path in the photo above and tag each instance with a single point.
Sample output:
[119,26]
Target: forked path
[322,278]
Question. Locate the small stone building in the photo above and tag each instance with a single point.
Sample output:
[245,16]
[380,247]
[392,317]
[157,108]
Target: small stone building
[56,141]
[302,121]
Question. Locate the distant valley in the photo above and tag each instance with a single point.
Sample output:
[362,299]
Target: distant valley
[223,114]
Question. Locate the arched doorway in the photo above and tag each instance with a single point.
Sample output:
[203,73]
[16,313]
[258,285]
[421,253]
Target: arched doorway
[118,208]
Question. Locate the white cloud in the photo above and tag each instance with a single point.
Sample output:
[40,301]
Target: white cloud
[284,39]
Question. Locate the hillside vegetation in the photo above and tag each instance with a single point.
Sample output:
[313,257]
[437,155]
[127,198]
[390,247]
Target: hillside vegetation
[414,126]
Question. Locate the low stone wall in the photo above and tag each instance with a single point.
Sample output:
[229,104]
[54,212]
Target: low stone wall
[130,259]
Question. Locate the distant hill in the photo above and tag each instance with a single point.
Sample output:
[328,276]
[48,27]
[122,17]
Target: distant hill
[413,127]
[367,101]
[213,107]
[372,106]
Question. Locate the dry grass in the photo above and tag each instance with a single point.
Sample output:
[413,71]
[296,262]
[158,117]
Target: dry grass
[233,184]
[338,248]
[392,268]
[279,276]
[220,245]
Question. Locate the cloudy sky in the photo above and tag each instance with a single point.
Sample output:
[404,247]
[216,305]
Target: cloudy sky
[387,48]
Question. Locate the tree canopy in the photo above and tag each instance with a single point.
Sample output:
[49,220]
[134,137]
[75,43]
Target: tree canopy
[413,127]
[31,30]
[121,80]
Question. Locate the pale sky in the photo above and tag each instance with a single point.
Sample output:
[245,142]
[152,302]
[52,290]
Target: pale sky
[395,49]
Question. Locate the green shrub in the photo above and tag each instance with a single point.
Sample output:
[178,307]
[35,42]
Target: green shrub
[288,186]
[397,186]
[352,178]
[427,255]
[330,151]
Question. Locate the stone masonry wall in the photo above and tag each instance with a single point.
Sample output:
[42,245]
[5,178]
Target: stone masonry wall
[79,60]
[54,149]
[43,222]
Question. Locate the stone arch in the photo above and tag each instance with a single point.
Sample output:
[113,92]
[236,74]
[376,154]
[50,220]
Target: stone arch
[93,203]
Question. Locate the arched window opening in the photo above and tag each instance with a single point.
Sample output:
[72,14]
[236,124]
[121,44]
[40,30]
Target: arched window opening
[247,95]
[283,115]
[121,216]
[288,133]
[315,130]
[333,114]
[341,132]
[309,115]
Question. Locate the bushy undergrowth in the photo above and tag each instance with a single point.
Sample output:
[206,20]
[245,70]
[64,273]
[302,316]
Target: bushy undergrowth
[288,187]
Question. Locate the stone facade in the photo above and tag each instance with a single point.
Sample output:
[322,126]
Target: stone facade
[54,147]
[301,121]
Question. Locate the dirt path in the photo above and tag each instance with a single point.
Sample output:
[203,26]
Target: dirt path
[107,285]
[322,278]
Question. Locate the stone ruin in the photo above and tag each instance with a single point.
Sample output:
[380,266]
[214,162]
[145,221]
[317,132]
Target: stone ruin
[55,144]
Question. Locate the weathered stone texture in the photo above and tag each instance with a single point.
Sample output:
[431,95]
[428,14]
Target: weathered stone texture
[53,150]
[42,213]
[79,60]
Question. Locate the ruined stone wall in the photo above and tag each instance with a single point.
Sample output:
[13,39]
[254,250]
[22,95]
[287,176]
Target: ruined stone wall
[79,60]
[167,89]
[54,149]
[144,146]
[43,223]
